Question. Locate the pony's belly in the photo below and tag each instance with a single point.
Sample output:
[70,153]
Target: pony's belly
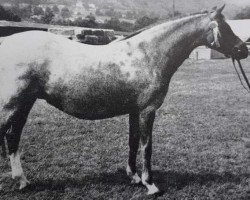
[94,111]
[97,113]
[89,106]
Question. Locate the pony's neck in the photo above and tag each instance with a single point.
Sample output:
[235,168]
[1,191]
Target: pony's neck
[169,44]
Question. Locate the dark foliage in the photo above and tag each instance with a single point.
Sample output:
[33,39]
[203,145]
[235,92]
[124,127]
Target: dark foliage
[65,13]
[8,15]
[244,14]
[112,13]
[23,13]
[38,11]
[144,21]
[55,9]
[113,23]
[48,16]
[87,22]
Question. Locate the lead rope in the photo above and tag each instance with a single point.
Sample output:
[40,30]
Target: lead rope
[243,73]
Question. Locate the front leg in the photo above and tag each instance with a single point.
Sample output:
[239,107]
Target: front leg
[146,126]
[134,138]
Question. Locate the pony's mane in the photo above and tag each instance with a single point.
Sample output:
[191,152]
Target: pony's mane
[133,34]
[145,28]
[159,22]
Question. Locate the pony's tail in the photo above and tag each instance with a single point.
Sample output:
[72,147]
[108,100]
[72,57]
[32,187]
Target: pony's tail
[3,131]
[3,145]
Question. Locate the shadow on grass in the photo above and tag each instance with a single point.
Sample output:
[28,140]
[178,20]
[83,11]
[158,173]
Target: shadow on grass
[165,180]
[179,180]
[115,178]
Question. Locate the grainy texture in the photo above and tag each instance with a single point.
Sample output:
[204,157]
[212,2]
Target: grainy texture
[200,145]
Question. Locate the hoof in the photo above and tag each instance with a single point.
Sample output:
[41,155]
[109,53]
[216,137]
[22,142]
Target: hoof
[135,179]
[23,182]
[153,190]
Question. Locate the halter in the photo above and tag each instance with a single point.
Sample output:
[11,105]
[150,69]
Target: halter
[216,33]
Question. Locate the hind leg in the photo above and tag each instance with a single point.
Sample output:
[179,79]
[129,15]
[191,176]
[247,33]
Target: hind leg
[13,126]
[13,138]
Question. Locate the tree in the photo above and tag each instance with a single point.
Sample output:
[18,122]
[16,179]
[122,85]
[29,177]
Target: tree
[144,21]
[112,13]
[48,16]
[55,9]
[23,13]
[99,12]
[126,26]
[65,13]
[90,17]
[38,11]
[26,12]
[15,9]
[113,23]
[8,15]
[131,15]
[244,14]
[90,21]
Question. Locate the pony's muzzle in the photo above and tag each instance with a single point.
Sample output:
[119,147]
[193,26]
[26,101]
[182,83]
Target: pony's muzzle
[240,51]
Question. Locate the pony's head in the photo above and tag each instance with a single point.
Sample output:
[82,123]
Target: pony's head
[219,36]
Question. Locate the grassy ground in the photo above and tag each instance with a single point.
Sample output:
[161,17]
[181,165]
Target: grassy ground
[200,145]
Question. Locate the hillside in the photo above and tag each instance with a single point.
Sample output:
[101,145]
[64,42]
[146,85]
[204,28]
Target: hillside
[164,7]
[161,7]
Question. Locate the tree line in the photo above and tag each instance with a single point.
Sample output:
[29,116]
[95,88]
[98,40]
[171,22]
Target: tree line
[243,14]
[112,23]
[37,14]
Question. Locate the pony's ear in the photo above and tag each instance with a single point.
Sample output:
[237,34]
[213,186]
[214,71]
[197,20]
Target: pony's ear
[219,11]
[216,11]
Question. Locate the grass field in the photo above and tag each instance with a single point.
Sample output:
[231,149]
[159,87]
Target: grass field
[201,145]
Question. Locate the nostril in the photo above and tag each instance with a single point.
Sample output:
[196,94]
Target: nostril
[235,50]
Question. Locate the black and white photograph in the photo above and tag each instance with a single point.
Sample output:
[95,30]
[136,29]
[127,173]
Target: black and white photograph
[124,99]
